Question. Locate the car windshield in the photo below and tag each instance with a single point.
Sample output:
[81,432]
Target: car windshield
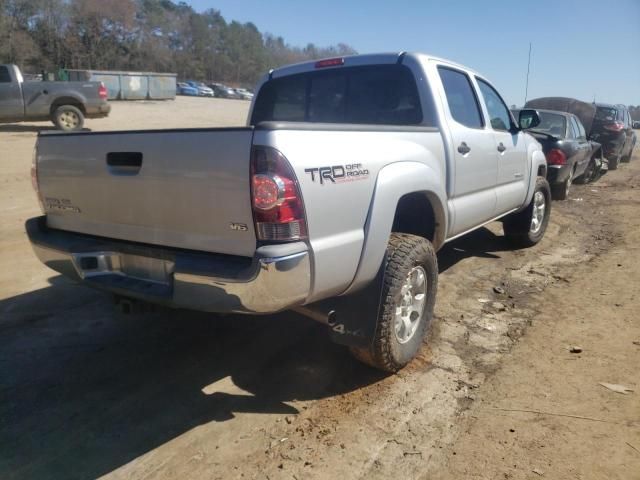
[552,123]
[380,94]
[607,114]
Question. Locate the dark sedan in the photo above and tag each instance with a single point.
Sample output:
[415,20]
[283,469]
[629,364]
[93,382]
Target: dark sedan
[564,142]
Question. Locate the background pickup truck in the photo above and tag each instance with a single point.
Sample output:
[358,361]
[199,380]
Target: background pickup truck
[350,174]
[66,104]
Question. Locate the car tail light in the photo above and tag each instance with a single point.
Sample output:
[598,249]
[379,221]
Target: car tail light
[556,157]
[102,91]
[614,127]
[330,62]
[34,177]
[278,210]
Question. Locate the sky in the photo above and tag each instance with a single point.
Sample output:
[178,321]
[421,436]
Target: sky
[581,49]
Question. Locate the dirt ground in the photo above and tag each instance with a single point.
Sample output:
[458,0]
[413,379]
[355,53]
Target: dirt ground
[86,392]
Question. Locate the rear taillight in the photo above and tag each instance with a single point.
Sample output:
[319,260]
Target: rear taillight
[614,127]
[278,211]
[556,157]
[34,177]
[102,91]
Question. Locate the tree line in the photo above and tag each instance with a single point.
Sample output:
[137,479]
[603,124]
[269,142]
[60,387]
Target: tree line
[143,35]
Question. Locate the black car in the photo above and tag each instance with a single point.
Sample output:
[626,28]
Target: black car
[564,143]
[612,127]
[223,91]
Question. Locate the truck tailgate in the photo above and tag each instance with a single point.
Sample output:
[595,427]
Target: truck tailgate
[178,188]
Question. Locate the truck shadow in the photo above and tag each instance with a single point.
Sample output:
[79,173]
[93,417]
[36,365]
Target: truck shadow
[481,243]
[86,390]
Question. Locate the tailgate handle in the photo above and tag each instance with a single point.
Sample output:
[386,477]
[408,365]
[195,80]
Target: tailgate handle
[124,163]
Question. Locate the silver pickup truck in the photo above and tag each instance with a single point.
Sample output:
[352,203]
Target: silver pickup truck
[350,174]
[66,104]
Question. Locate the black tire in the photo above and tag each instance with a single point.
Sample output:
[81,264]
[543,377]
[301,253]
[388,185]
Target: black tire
[519,228]
[614,162]
[405,253]
[592,170]
[68,118]
[560,191]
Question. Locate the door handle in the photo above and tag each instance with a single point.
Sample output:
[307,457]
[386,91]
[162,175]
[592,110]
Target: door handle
[463,148]
[124,163]
[501,147]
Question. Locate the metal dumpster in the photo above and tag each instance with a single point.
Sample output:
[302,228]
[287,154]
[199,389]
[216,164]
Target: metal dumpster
[131,85]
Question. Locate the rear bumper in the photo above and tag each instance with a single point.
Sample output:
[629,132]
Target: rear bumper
[99,111]
[278,277]
[557,174]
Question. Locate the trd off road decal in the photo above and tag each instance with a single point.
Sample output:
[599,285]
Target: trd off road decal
[338,173]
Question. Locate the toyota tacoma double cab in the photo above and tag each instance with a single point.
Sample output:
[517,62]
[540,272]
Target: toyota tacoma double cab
[66,104]
[333,200]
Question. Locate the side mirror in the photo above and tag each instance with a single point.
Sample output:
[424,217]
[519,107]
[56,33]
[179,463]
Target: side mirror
[528,118]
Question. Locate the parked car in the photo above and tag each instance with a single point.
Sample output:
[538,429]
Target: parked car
[66,104]
[244,94]
[569,153]
[331,201]
[636,125]
[223,91]
[203,90]
[186,89]
[613,129]
[586,113]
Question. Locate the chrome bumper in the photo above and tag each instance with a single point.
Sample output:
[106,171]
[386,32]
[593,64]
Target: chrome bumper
[277,278]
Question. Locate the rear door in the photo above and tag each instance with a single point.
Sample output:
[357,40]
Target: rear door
[473,199]
[510,145]
[582,144]
[11,105]
[188,189]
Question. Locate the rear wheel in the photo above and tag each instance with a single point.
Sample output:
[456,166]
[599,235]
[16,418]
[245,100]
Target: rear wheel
[408,298]
[614,162]
[627,158]
[591,172]
[526,228]
[68,118]
[561,190]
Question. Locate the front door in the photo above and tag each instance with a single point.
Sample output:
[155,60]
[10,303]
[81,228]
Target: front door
[513,178]
[473,196]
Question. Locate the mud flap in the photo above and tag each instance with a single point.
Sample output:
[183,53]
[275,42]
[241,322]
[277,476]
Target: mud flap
[353,319]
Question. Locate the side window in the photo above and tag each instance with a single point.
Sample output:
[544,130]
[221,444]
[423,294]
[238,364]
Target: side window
[498,111]
[461,98]
[4,75]
[583,134]
[574,128]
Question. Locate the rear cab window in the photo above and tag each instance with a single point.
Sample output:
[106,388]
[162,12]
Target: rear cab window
[375,94]
[553,124]
[606,114]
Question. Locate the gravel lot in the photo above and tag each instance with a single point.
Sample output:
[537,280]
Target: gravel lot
[86,392]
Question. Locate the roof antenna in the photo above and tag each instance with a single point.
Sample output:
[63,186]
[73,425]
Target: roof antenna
[526,88]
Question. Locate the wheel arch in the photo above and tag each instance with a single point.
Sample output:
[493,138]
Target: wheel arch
[67,100]
[409,197]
